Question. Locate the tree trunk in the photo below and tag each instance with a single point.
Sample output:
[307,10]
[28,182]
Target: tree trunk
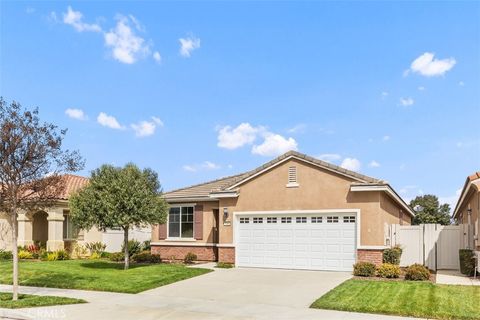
[125,247]
[15,254]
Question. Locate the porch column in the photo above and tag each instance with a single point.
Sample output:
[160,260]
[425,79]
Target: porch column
[25,229]
[55,229]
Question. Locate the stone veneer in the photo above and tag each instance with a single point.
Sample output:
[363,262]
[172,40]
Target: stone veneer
[207,253]
[370,255]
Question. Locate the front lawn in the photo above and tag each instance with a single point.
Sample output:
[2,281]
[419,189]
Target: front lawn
[98,275]
[405,298]
[28,300]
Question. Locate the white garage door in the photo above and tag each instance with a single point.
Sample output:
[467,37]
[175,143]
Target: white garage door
[312,242]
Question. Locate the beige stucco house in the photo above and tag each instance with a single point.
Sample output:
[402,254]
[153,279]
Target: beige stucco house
[52,226]
[293,212]
[467,211]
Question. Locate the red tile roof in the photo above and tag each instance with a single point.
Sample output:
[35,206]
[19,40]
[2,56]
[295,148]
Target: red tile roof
[73,183]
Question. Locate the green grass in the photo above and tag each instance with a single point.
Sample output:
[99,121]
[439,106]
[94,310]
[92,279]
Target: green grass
[405,298]
[97,275]
[28,300]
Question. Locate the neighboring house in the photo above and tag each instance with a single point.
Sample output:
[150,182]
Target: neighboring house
[52,226]
[294,212]
[467,211]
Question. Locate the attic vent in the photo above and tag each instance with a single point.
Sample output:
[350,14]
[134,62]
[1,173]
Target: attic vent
[292,177]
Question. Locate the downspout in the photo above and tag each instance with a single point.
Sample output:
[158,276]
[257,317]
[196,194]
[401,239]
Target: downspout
[469,226]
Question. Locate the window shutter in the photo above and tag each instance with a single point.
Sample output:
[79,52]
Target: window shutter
[162,231]
[198,229]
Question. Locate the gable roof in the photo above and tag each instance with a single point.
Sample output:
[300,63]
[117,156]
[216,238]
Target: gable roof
[203,190]
[472,180]
[73,183]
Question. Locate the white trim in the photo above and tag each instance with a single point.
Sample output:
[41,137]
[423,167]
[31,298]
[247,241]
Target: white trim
[221,195]
[182,244]
[297,158]
[465,191]
[225,245]
[292,185]
[181,239]
[388,190]
[182,200]
[357,213]
[179,205]
[372,247]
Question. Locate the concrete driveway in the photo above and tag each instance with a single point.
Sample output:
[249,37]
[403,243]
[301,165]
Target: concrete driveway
[223,294]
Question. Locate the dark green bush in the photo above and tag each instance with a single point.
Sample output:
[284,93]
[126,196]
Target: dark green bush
[388,270]
[117,256]
[392,255]
[225,265]
[467,261]
[364,269]
[417,272]
[6,255]
[105,254]
[62,255]
[190,258]
[146,257]
[146,245]
[134,246]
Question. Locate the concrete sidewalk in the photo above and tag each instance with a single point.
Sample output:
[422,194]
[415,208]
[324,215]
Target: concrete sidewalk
[454,277]
[224,294]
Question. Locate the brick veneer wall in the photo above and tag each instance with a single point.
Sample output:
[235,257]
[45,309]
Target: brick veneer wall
[179,252]
[370,255]
[226,255]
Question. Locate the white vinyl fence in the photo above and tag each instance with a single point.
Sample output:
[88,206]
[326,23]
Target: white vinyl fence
[114,238]
[433,245]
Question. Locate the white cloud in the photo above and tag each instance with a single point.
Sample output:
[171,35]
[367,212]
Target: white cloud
[421,88]
[187,45]
[146,128]
[329,157]
[299,128]
[406,102]
[386,138]
[230,166]
[127,47]
[274,145]
[76,114]
[210,165]
[206,165]
[461,83]
[384,94]
[108,121]
[157,57]
[374,164]
[428,66]
[189,168]
[351,164]
[30,10]
[74,18]
[233,138]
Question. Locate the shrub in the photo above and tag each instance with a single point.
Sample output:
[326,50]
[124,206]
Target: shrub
[134,246]
[6,255]
[105,255]
[388,270]
[392,255]
[44,254]
[117,256]
[190,258]
[467,261]
[146,245]
[24,254]
[417,272]
[225,265]
[62,255]
[364,269]
[80,251]
[146,257]
[95,255]
[52,256]
[96,247]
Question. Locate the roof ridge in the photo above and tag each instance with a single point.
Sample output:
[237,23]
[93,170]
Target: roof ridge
[207,182]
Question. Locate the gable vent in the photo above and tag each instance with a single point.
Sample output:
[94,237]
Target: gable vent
[292,177]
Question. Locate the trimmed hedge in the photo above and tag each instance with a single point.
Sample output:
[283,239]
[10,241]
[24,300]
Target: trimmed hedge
[146,257]
[364,269]
[467,261]
[417,272]
[392,255]
[388,270]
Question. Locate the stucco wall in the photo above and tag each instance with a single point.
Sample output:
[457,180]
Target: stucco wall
[472,201]
[5,233]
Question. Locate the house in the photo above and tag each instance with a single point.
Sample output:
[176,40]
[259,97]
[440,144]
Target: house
[53,228]
[467,211]
[294,212]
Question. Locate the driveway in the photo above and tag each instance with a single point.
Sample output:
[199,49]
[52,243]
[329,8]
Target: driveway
[223,294]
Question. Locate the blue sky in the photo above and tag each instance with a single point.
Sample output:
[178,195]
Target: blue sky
[200,90]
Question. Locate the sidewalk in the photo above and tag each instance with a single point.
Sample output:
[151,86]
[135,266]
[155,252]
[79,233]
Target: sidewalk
[454,277]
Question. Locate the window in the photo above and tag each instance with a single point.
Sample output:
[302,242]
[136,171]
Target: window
[244,220]
[70,232]
[332,219]
[180,222]
[286,219]
[349,219]
[272,220]
[257,220]
[316,219]
[301,219]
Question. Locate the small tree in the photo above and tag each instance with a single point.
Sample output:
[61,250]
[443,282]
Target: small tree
[429,210]
[31,165]
[119,198]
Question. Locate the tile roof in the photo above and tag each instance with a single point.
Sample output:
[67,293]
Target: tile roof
[73,183]
[204,189]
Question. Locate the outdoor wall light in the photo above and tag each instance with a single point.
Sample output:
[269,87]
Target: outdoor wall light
[225,214]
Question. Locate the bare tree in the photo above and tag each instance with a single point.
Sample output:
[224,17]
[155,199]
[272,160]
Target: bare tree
[32,162]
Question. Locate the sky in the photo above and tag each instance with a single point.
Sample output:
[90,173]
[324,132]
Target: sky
[201,90]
